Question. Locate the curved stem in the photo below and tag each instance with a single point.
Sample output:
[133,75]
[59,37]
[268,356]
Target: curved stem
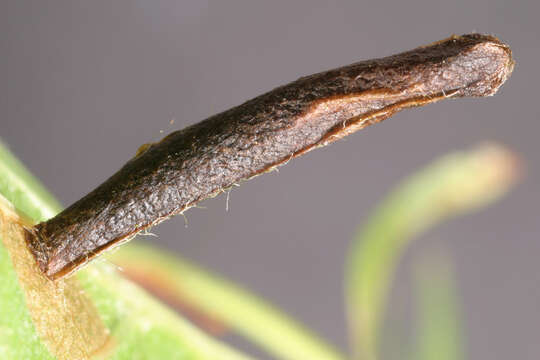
[453,185]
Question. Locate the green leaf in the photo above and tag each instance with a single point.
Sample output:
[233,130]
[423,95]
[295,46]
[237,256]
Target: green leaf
[140,327]
[23,190]
[18,337]
[452,185]
[143,327]
[244,313]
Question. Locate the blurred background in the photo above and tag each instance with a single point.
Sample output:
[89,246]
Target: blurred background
[84,83]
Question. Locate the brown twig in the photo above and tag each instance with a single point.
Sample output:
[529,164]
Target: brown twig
[203,160]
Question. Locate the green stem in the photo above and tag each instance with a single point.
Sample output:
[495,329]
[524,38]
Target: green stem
[439,334]
[452,185]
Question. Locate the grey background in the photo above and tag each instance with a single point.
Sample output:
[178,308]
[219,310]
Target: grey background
[84,83]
